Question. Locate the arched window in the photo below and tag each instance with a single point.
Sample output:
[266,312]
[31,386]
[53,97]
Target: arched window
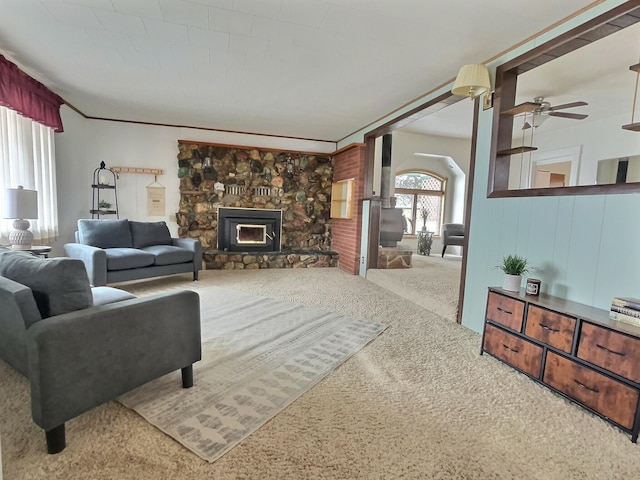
[421,197]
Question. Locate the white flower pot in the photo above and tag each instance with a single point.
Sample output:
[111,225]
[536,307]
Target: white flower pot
[512,282]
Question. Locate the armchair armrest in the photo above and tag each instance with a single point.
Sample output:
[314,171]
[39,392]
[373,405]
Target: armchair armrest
[94,259]
[82,359]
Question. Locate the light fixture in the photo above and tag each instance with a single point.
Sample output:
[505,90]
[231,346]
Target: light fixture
[472,81]
[20,204]
[537,119]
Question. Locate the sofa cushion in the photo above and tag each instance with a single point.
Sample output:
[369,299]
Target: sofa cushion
[59,285]
[105,295]
[105,233]
[126,258]
[146,234]
[169,255]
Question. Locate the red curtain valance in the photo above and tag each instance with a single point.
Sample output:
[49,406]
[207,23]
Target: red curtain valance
[27,96]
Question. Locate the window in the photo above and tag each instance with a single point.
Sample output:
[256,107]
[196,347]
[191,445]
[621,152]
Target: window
[421,197]
[27,158]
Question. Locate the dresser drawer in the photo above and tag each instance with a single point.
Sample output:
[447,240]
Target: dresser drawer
[609,397]
[551,328]
[520,353]
[613,351]
[506,311]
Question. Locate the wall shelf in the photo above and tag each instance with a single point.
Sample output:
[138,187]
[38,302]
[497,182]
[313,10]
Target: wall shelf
[514,150]
[526,107]
[634,127]
[342,199]
[146,171]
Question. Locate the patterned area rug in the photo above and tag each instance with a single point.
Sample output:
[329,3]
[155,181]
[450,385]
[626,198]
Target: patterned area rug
[258,356]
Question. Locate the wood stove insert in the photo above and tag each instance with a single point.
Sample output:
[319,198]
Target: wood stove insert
[249,229]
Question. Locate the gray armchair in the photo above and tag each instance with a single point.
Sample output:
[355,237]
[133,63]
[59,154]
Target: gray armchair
[80,346]
[452,234]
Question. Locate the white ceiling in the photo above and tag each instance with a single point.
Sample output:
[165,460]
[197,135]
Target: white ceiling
[318,69]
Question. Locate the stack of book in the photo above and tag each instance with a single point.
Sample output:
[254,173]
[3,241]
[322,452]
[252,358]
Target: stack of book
[626,309]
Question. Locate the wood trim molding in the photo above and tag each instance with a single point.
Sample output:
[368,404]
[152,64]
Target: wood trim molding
[468,207]
[191,127]
[250,147]
[348,147]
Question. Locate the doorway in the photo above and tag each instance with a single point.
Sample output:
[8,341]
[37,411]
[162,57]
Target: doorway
[436,105]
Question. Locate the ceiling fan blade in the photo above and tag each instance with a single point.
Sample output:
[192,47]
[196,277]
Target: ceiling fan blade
[567,105]
[574,116]
[526,107]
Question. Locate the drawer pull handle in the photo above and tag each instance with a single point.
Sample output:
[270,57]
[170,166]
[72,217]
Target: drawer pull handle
[594,390]
[514,350]
[622,354]
[551,329]
[500,309]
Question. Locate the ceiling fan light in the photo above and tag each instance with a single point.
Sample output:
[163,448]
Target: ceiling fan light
[472,81]
[538,119]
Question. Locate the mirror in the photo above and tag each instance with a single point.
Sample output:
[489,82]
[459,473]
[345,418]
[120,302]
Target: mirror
[559,112]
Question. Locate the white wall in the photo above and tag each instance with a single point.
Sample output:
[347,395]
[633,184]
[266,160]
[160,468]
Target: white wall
[446,151]
[85,143]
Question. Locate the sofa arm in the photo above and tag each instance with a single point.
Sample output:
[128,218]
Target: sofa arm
[193,245]
[82,359]
[94,259]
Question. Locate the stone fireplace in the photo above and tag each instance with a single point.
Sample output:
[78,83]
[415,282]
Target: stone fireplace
[249,229]
[256,208]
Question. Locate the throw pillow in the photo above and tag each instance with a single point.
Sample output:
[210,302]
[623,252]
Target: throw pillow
[105,233]
[59,285]
[146,234]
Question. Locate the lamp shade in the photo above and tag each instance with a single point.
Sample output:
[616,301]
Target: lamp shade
[20,203]
[472,80]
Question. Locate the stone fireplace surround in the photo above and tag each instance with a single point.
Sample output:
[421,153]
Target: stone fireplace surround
[297,183]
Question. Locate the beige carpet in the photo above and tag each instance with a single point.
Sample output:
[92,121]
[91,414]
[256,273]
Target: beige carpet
[417,403]
[433,282]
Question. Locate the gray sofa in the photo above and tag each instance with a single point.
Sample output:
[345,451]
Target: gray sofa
[121,250]
[81,346]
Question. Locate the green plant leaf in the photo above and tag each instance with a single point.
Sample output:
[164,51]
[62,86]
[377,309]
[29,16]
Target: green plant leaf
[513,265]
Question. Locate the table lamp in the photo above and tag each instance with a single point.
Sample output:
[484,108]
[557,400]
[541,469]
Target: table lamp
[20,204]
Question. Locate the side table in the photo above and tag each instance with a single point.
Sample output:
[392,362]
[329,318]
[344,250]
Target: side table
[425,240]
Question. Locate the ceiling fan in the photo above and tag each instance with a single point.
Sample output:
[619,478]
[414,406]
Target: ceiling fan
[542,110]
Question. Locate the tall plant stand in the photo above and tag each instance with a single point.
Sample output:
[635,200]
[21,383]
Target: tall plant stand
[425,240]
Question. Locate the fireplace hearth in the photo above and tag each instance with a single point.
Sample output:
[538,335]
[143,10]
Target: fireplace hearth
[249,229]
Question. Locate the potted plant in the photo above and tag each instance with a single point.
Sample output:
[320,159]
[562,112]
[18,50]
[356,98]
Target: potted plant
[104,205]
[513,267]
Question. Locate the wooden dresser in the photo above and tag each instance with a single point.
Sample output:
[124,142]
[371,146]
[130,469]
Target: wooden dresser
[573,349]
